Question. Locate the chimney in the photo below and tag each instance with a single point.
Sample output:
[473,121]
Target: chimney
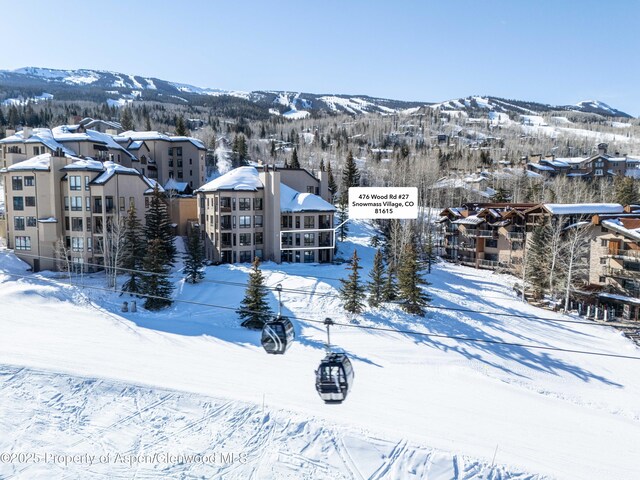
[602,148]
[9,132]
[26,132]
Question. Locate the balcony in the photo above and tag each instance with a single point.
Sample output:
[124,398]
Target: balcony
[517,236]
[471,248]
[633,255]
[620,272]
[488,263]
[485,233]
[469,232]
[225,226]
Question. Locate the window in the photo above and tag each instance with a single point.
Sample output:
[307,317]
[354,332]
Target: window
[258,238]
[225,203]
[66,203]
[180,174]
[23,243]
[309,222]
[29,181]
[76,224]
[245,221]
[259,253]
[233,204]
[603,261]
[311,189]
[604,243]
[179,151]
[67,223]
[132,202]
[76,204]
[297,221]
[31,221]
[190,162]
[257,204]
[601,279]
[179,163]
[491,243]
[74,182]
[287,256]
[171,162]
[257,220]
[16,183]
[146,202]
[170,151]
[77,244]
[18,223]
[598,171]
[121,203]
[87,179]
[18,203]
[89,224]
[225,222]
[286,221]
[29,201]
[309,256]
[89,244]
[36,150]
[309,239]
[108,204]
[87,203]
[245,239]
[287,239]
[245,256]
[245,204]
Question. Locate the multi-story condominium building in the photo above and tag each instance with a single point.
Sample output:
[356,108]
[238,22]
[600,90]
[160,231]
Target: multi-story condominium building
[57,203]
[600,164]
[164,157]
[250,213]
[614,263]
[157,156]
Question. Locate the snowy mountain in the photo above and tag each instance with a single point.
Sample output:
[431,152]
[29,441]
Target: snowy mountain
[117,89]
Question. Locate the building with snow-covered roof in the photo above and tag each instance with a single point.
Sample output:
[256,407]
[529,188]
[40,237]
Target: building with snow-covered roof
[251,212]
[61,203]
[165,157]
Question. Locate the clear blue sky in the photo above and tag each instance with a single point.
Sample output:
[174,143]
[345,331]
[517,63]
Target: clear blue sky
[551,51]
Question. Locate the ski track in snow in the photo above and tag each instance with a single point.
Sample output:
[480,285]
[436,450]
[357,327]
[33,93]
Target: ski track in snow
[46,412]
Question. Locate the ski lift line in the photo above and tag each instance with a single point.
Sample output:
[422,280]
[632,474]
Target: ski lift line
[333,295]
[382,329]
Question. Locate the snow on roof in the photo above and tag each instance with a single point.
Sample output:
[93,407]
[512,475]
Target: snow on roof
[84,164]
[583,208]
[112,169]
[621,298]
[242,178]
[135,145]
[154,135]
[470,220]
[537,166]
[623,226]
[177,186]
[48,220]
[40,162]
[294,201]
[152,185]
[38,135]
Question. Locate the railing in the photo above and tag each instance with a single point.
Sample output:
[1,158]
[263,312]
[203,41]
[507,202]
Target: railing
[488,263]
[620,272]
[469,232]
[225,209]
[467,247]
[632,254]
[485,233]
[515,236]
[225,226]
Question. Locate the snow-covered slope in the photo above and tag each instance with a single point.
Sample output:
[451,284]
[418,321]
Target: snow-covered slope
[190,380]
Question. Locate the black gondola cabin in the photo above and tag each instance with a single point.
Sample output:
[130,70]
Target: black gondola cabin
[334,378]
[277,335]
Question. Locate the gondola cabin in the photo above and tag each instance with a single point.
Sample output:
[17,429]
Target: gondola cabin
[277,335]
[334,378]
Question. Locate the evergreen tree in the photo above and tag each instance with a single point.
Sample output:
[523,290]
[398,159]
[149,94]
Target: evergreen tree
[156,282]
[255,310]
[413,298]
[294,159]
[126,119]
[181,129]
[350,176]
[626,191]
[322,167]
[194,257]
[333,186]
[352,290]
[501,195]
[147,123]
[430,249]
[376,285]
[537,262]
[273,149]
[133,252]
[343,216]
[239,150]
[158,226]
[390,289]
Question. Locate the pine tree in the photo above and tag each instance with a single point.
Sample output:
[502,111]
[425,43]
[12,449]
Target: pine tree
[537,271]
[352,290]
[147,123]
[350,176]
[294,159]
[376,285]
[133,252]
[273,149]
[343,216]
[158,227]
[156,282]
[322,167]
[501,195]
[255,310]
[194,257]
[333,186]
[126,119]
[413,298]
[626,191]
[430,249]
[390,289]
[181,129]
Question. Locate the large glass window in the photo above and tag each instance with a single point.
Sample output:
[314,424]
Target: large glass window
[18,223]
[245,204]
[76,204]
[245,256]
[16,183]
[258,238]
[75,183]
[31,222]
[309,256]
[76,224]
[77,244]
[257,204]
[245,221]
[29,181]
[245,239]
[18,203]
[309,239]
[23,243]
[257,220]
[29,201]
[309,221]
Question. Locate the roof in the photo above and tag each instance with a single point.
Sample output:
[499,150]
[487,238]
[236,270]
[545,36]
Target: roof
[582,208]
[294,201]
[153,135]
[470,220]
[40,162]
[84,164]
[177,186]
[629,227]
[111,169]
[38,135]
[242,178]
[61,134]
